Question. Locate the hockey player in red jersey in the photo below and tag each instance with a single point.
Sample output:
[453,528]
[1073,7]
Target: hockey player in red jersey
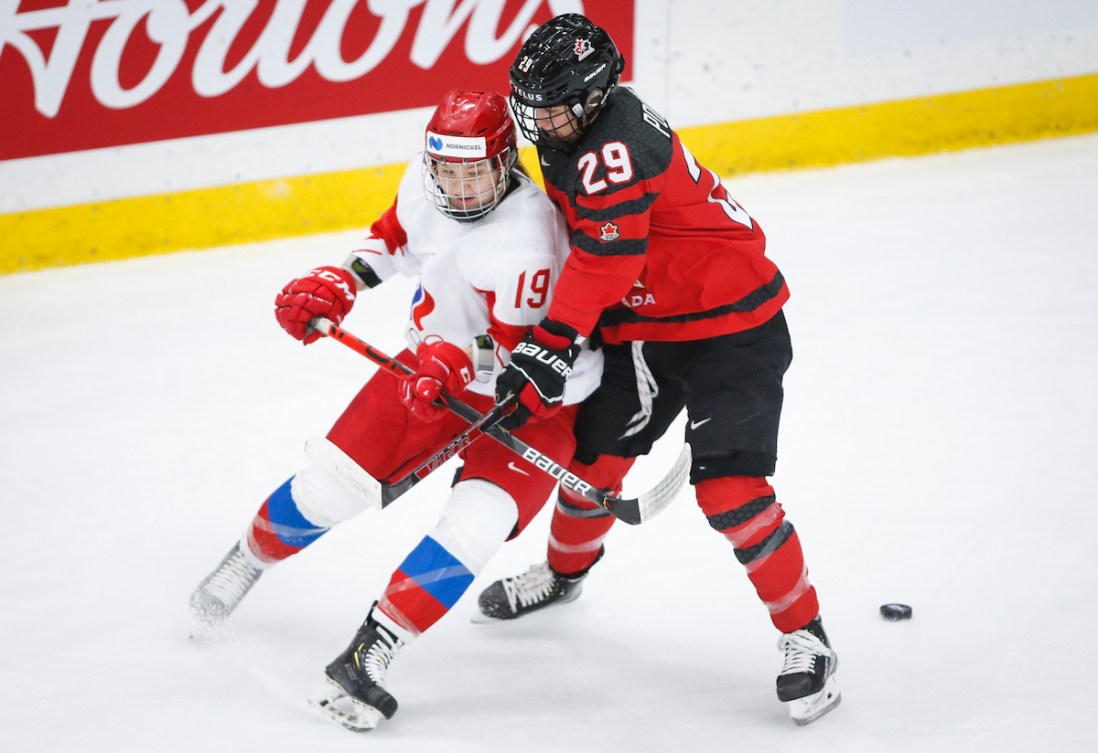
[671,274]
[485,261]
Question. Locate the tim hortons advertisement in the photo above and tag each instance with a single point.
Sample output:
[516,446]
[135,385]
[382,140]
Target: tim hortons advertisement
[83,74]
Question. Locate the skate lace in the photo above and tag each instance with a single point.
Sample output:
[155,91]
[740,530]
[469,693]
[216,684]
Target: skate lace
[376,659]
[233,578]
[801,649]
[531,587]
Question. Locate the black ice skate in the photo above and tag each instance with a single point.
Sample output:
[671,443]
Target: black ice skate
[537,588]
[355,694]
[806,679]
[222,590]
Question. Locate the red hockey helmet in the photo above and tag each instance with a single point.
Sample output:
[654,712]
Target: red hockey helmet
[469,150]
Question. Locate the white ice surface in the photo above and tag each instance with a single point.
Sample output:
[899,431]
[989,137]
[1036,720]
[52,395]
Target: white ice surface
[937,449]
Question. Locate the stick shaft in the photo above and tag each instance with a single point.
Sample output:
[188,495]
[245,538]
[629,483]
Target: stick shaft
[632,511]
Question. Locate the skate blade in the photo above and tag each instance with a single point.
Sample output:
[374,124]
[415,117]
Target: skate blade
[207,617]
[480,618]
[810,708]
[349,712]
[206,630]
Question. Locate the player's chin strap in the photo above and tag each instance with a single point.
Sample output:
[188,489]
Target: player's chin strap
[632,511]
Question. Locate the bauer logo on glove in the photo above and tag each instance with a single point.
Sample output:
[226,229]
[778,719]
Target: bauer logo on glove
[556,363]
[540,366]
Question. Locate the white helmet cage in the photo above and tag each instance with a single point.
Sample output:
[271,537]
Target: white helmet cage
[469,149]
[466,189]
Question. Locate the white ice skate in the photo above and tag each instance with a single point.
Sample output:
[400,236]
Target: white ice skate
[221,591]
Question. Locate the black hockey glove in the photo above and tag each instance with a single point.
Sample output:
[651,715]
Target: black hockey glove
[540,366]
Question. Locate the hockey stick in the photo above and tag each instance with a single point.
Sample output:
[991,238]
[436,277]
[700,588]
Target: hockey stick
[477,429]
[380,494]
[631,511]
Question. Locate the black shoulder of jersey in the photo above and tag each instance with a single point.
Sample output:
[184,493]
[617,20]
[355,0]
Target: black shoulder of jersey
[628,120]
[627,133]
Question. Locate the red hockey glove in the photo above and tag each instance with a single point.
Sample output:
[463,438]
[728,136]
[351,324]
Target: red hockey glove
[442,366]
[326,291]
[539,367]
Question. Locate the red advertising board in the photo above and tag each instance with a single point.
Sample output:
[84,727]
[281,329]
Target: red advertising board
[83,74]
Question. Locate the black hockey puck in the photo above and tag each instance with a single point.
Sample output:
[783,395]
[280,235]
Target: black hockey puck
[896,612]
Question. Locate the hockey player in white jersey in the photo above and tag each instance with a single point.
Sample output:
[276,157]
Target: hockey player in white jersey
[486,244]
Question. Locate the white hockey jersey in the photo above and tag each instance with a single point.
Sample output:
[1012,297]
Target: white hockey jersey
[491,276]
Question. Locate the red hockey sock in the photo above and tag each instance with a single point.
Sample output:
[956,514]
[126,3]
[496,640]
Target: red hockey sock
[579,525]
[746,512]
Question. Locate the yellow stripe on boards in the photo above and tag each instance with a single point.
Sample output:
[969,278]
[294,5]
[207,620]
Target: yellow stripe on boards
[264,210]
[902,128]
[202,218]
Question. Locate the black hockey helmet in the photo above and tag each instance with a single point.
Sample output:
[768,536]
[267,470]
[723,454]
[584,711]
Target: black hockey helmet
[566,61]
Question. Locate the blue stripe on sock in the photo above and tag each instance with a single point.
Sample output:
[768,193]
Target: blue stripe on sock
[437,571]
[287,522]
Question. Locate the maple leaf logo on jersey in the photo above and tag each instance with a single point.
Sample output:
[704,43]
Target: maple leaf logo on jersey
[609,232]
[582,48]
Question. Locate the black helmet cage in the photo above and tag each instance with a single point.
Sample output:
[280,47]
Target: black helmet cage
[566,61]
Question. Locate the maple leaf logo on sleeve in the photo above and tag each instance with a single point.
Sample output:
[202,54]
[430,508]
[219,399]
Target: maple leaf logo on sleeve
[609,232]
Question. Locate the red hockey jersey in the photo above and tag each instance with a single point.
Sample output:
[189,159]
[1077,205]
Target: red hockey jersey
[660,251]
